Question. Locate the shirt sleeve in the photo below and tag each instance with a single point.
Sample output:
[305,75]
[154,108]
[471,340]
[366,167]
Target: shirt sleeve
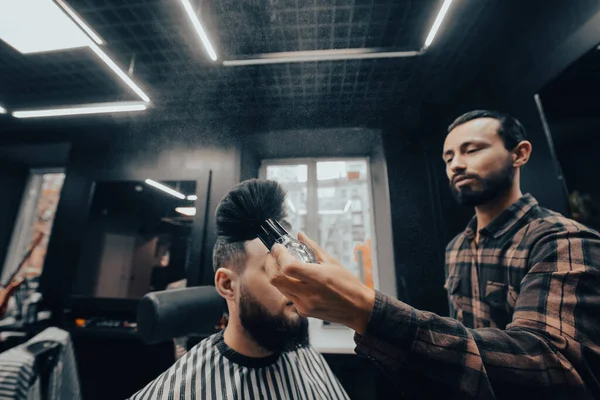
[551,349]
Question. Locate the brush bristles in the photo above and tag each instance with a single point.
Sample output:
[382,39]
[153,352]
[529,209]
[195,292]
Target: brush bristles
[246,206]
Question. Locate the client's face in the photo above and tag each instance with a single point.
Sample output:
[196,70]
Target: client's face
[267,315]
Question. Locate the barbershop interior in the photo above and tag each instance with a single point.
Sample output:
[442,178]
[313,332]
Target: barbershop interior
[124,124]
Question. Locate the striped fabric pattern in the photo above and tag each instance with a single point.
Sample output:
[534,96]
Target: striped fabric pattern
[210,370]
[525,303]
[17,375]
[64,377]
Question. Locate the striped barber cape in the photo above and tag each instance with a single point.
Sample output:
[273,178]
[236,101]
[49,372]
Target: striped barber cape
[213,371]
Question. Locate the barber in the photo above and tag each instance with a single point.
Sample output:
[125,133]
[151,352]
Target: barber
[523,284]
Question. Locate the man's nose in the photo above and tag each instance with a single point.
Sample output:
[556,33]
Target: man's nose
[457,165]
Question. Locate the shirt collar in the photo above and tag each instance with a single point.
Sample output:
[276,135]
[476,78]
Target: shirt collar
[506,220]
[238,358]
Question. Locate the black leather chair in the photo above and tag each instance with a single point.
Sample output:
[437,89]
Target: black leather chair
[176,313]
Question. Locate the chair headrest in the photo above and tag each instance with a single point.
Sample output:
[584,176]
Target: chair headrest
[175,313]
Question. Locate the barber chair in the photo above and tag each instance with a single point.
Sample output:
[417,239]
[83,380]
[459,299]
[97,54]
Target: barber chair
[170,314]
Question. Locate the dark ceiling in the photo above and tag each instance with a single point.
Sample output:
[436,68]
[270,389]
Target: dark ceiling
[174,70]
[574,93]
[571,101]
[172,67]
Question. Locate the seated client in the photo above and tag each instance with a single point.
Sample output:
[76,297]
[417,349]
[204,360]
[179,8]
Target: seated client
[264,350]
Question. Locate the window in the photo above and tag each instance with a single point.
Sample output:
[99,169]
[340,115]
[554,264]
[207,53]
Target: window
[36,217]
[330,200]
[294,179]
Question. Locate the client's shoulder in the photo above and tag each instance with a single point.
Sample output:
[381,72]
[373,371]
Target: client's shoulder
[209,341]
[180,377]
[307,355]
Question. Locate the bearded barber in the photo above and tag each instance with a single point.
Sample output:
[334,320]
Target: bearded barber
[523,285]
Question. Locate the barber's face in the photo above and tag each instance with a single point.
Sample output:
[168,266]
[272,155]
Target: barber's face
[265,313]
[478,165]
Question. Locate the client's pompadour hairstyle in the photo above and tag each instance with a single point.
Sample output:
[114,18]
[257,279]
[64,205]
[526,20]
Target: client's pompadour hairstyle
[240,213]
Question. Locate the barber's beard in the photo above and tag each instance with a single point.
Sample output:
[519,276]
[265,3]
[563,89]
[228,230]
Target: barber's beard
[274,333]
[488,189]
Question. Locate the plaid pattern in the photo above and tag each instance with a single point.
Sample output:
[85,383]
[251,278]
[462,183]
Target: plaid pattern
[526,308]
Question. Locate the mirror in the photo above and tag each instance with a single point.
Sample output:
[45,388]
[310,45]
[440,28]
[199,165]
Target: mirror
[137,239]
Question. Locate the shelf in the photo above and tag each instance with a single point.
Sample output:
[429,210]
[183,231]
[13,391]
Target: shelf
[332,339]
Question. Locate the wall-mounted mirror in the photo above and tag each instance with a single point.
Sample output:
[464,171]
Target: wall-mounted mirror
[138,238]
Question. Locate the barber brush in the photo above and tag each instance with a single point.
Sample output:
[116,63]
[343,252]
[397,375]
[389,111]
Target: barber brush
[271,232]
[251,210]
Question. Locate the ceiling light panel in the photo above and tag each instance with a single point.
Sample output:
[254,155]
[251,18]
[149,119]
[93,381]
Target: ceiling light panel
[90,32]
[35,26]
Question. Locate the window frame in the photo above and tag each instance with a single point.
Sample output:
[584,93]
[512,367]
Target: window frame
[312,224]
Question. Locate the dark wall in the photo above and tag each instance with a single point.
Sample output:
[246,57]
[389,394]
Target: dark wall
[581,168]
[13,178]
[38,155]
[137,151]
[418,251]
[342,142]
[556,35]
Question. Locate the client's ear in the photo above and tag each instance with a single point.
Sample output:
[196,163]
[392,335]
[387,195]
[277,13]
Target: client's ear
[226,283]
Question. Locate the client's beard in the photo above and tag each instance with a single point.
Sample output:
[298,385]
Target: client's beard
[491,187]
[274,333]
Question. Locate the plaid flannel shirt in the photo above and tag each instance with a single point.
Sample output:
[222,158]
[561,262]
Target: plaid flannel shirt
[525,303]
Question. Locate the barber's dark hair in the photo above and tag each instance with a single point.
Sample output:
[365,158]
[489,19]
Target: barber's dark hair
[511,131]
[240,213]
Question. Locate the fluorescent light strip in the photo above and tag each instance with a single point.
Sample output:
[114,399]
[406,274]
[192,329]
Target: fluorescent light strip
[2,110]
[319,55]
[437,23]
[98,108]
[192,197]
[95,37]
[199,29]
[189,211]
[102,55]
[165,189]
[119,72]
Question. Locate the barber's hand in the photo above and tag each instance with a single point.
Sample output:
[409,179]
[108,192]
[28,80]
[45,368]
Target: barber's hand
[326,290]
